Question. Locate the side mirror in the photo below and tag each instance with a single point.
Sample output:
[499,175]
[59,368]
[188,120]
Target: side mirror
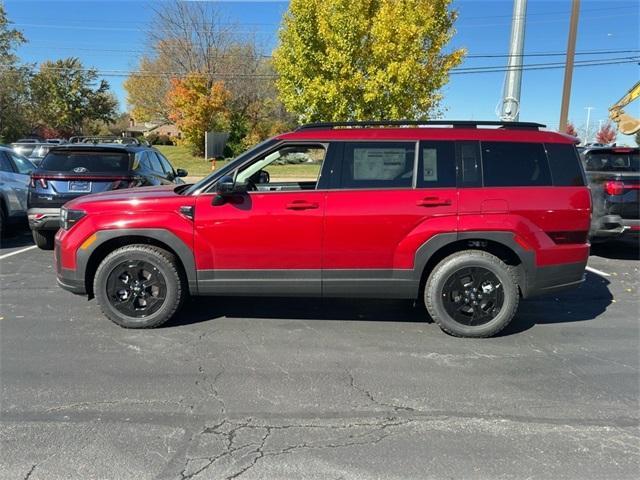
[181,172]
[225,185]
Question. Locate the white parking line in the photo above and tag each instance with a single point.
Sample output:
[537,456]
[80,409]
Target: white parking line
[592,270]
[7,255]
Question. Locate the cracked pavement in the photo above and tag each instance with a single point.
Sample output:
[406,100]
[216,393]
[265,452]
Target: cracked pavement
[252,388]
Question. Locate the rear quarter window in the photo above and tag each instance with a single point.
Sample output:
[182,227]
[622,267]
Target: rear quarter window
[86,162]
[566,170]
[514,164]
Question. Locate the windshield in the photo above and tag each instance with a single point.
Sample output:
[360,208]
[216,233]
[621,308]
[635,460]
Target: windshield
[86,162]
[623,160]
[230,167]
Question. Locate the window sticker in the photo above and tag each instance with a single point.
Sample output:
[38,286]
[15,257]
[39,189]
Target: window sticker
[378,164]
[430,162]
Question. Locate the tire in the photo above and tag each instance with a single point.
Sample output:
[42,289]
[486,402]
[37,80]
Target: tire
[449,295]
[44,238]
[114,286]
[3,222]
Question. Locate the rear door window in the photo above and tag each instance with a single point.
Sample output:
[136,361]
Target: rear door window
[514,164]
[613,160]
[377,165]
[86,161]
[469,164]
[564,162]
[437,165]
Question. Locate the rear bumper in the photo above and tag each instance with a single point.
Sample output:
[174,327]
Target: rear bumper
[610,227]
[44,218]
[556,278]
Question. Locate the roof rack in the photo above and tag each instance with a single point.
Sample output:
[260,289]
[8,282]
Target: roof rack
[107,139]
[402,123]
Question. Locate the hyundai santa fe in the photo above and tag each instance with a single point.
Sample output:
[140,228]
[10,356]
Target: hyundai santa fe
[466,217]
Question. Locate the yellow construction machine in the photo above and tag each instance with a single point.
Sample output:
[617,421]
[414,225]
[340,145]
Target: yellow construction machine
[626,123]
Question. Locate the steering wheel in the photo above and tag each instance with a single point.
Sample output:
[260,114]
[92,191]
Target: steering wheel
[251,186]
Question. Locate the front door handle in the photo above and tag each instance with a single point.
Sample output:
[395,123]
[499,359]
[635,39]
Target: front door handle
[301,205]
[433,202]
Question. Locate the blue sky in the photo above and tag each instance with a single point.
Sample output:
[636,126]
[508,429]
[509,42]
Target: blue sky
[109,35]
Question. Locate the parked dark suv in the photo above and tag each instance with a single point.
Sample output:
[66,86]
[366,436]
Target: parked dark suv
[614,179]
[466,219]
[73,170]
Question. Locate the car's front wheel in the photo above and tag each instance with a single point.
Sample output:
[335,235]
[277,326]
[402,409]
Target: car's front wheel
[472,294]
[139,286]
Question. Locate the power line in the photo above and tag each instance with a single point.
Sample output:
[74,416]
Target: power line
[473,55]
[455,71]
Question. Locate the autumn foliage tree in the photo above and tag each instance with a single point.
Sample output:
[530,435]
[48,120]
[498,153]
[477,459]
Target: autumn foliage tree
[197,106]
[364,59]
[570,129]
[607,134]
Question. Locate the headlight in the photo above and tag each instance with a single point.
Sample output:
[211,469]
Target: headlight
[68,218]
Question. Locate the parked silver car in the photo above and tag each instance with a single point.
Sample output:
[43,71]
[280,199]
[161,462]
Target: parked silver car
[32,150]
[15,171]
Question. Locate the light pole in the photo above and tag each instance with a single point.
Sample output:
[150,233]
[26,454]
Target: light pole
[510,111]
[586,133]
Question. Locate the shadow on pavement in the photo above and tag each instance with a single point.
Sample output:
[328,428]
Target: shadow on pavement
[583,304]
[200,309]
[16,236]
[628,249]
[579,305]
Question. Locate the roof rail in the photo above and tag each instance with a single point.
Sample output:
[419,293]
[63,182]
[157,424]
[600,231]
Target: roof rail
[107,139]
[402,123]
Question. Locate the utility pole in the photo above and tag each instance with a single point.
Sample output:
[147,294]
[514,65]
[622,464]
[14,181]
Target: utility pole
[586,134]
[510,111]
[568,67]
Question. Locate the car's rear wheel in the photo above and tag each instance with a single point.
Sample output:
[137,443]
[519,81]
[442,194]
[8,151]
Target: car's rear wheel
[472,294]
[44,239]
[139,286]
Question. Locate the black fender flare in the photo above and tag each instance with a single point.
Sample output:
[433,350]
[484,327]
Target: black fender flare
[184,253]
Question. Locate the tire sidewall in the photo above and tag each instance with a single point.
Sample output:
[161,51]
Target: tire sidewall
[171,279]
[442,272]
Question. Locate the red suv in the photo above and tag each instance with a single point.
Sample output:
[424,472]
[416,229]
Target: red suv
[463,215]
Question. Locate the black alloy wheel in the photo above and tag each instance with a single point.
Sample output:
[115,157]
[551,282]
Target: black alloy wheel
[473,296]
[136,288]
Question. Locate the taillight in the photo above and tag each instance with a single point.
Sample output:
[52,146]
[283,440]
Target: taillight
[38,181]
[614,187]
[124,183]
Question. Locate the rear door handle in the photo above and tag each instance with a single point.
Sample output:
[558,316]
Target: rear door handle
[433,202]
[301,205]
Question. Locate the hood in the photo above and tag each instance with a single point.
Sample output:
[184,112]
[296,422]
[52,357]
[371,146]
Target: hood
[132,196]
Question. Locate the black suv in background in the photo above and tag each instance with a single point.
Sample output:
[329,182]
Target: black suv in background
[614,179]
[72,170]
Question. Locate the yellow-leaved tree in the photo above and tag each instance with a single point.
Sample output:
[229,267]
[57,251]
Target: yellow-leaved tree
[197,105]
[364,59]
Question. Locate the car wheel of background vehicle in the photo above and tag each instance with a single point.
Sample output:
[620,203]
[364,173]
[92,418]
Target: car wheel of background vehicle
[2,220]
[472,294]
[139,286]
[44,238]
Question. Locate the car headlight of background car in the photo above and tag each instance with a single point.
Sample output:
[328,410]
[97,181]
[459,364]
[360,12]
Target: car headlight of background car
[68,218]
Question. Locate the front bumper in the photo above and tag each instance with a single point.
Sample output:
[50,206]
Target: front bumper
[70,280]
[44,218]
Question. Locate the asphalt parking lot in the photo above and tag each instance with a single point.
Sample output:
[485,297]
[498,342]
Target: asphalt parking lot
[286,389]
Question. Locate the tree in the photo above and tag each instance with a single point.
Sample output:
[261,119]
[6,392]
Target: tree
[570,129]
[364,59]
[147,89]
[607,134]
[638,139]
[197,107]
[66,96]
[14,83]
[192,37]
